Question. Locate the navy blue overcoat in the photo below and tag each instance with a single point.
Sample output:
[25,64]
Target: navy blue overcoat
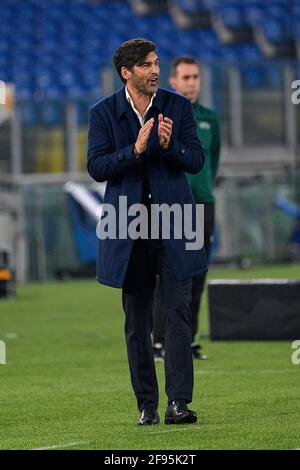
[113,129]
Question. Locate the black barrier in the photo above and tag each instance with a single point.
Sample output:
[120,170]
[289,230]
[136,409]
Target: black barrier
[266,309]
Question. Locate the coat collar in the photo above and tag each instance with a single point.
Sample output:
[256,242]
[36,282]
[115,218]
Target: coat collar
[123,106]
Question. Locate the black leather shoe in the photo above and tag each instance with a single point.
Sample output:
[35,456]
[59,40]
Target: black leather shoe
[178,413]
[197,354]
[149,416]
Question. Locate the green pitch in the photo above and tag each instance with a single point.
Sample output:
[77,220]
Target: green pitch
[66,381]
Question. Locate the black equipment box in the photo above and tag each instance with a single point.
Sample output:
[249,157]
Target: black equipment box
[260,309]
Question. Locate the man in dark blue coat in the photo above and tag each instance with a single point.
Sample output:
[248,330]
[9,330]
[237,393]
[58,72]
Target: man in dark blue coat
[142,140]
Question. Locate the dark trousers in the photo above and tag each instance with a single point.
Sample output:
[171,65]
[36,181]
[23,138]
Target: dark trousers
[198,284]
[148,259]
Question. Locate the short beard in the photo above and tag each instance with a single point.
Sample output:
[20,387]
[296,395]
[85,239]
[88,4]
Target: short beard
[142,88]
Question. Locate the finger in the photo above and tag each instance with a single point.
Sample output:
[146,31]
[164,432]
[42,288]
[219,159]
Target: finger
[146,126]
[166,119]
[164,136]
[166,130]
[160,118]
[165,125]
[145,129]
[149,123]
[149,128]
[148,132]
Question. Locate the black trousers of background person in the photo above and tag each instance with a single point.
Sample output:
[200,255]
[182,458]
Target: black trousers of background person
[148,259]
[198,284]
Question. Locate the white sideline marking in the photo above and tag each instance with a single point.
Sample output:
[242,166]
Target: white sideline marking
[11,336]
[61,446]
[245,372]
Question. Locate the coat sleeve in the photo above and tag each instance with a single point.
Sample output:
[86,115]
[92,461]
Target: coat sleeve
[103,163]
[186,152]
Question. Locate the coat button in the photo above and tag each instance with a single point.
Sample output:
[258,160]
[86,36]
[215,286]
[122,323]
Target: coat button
[182,151]
[120,156]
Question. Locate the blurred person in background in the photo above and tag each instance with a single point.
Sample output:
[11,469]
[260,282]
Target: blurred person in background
[142,140]
[185,79]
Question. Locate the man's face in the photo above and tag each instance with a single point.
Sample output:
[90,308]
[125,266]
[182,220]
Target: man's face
[144,77]
[187,81]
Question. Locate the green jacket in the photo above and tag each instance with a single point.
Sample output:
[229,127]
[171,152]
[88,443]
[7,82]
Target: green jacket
[208,131]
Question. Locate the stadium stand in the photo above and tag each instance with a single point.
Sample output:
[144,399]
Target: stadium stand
[53,48]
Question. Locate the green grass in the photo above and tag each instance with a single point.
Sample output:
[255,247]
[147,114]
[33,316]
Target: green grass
[66,378]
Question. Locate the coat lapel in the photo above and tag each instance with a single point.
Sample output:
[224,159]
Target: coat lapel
[125,115]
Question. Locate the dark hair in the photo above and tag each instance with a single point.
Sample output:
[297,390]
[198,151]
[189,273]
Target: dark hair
[183,60]
[131,53]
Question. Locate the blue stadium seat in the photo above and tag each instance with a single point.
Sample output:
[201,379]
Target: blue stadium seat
[232,15]
[253,13]
[276,30]
[209,56]
[191,7]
